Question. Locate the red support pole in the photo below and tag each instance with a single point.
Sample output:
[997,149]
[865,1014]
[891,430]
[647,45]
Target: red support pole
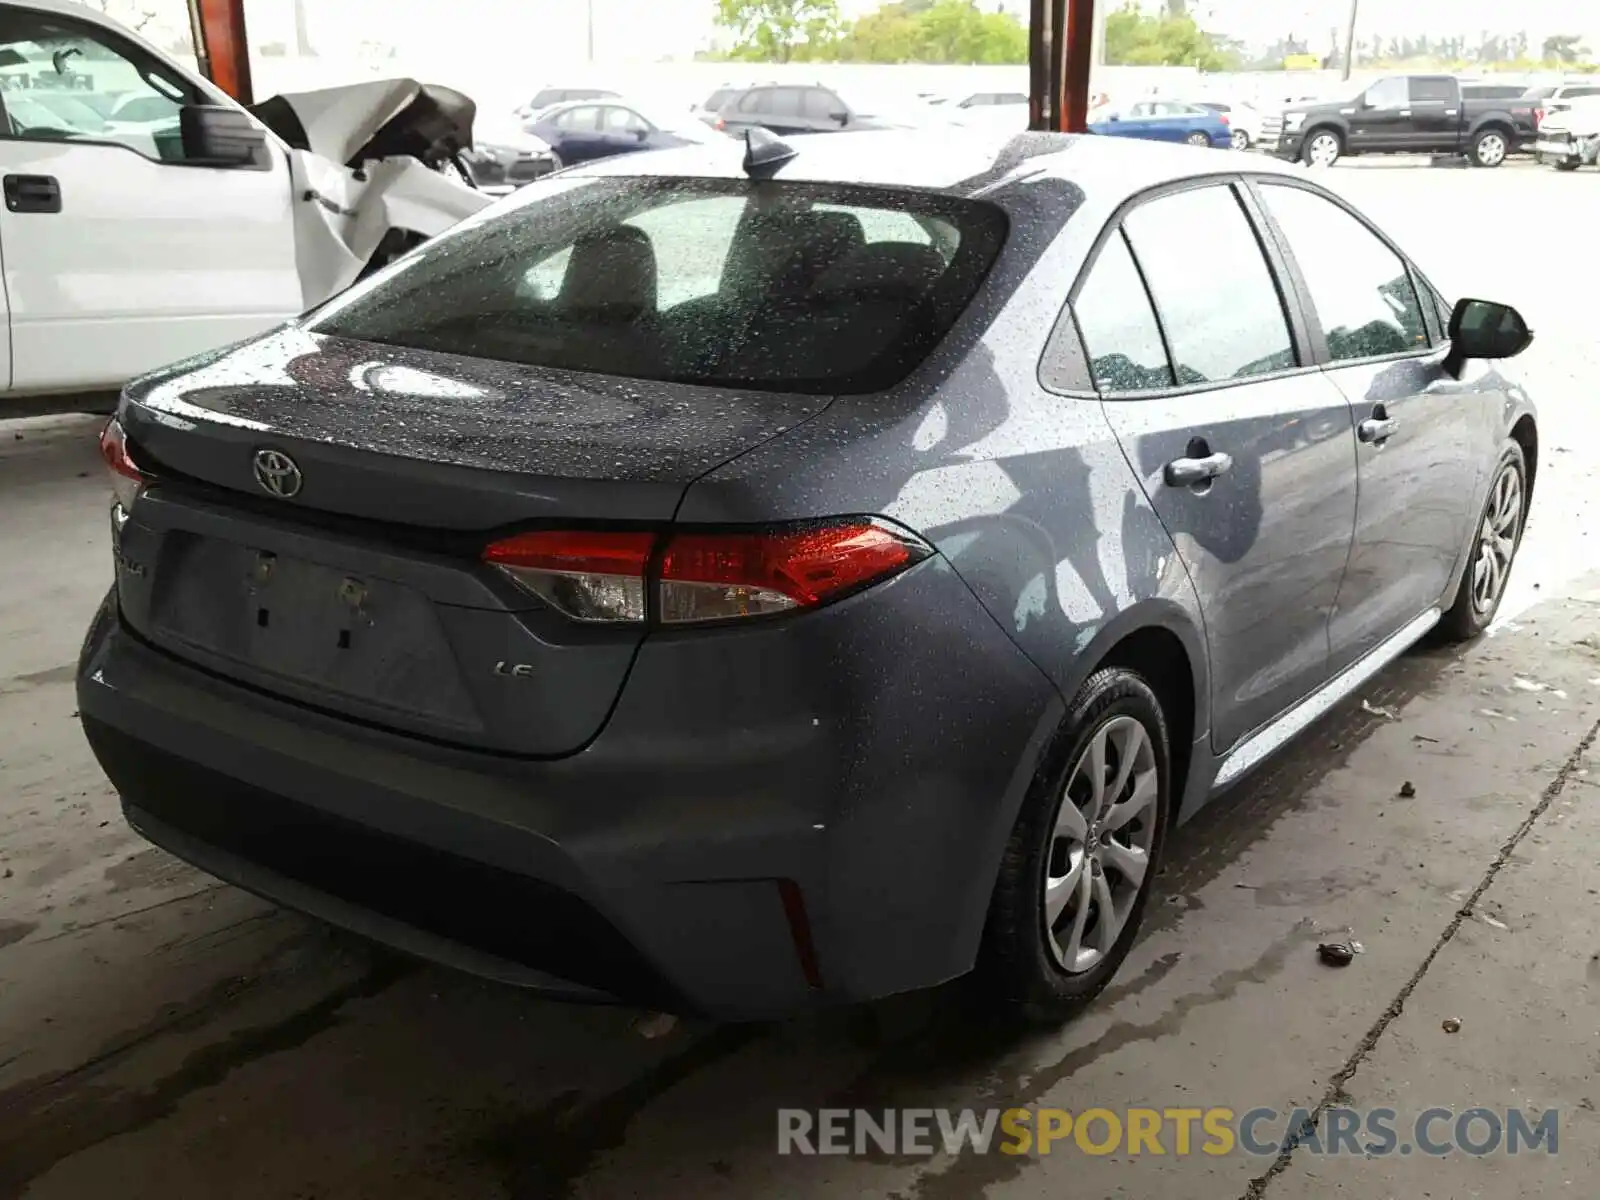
[1060,58]
[1078,56]
[222,46]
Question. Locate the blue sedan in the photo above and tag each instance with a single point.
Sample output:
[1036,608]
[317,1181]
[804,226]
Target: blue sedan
[1164,121]
[584,130]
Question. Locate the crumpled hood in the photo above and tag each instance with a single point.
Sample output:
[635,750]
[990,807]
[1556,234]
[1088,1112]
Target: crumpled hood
[362,160]
[336,122]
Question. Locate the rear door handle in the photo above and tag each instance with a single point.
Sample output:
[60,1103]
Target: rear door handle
[33,193]
[1376,430]
[1188,472]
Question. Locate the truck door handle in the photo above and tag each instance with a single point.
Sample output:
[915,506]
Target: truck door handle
[1376,430]
[1190,472]
[33,193]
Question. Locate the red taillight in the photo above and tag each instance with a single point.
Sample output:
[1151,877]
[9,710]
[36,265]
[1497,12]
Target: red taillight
[127,480]
[589,576]
[1226,120]
[717,576]
[1538,117]
[703,576]
[722,125]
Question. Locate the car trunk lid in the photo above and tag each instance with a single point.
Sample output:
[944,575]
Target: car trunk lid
[360,589]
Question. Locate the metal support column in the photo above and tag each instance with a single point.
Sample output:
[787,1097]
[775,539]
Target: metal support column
[222,46]
[1061,52]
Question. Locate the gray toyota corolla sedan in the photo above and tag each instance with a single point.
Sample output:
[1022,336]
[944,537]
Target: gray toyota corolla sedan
[742,578]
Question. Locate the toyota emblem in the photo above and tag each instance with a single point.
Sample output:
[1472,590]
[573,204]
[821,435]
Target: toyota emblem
[277,474]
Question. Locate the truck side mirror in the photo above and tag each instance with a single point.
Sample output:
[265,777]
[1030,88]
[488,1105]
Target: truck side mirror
[217,136]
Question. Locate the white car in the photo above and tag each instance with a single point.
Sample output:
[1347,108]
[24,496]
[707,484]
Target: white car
[1569,136]
[149,217]
[1244,120]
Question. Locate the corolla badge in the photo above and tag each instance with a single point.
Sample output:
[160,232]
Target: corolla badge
[278,474]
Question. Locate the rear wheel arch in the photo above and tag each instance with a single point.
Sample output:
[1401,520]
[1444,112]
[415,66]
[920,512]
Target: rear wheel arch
[1161,658]
[1160,643]
[1526,434]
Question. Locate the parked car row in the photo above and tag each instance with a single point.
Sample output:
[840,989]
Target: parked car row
[1483,121]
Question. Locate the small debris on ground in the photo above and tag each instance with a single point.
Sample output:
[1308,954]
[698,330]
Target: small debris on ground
[1408,790]
[1422,737]
[1488,920]
[1527,685]
[1452,1025]
[1338,954]
[655,1025]
[1249,887]
[1379,710]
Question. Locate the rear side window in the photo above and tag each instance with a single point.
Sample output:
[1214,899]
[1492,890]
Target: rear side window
[1430,89]
[785,102]
[754,101]
[579,120]
[1212,287]
[820,105]
[801,287]
[1119,326]
[1360,288]
[1579,93]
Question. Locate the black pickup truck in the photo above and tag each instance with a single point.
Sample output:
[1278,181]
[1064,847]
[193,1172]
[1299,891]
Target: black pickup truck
[1403,114]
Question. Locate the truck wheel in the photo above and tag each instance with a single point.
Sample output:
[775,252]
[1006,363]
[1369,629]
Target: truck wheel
[1489,148]
[1323,148]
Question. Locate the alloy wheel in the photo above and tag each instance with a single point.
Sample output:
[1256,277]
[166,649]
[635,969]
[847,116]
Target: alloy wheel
[1324,150]
[1497,539]
[1239,139]
[1491,150]
[1100,844]
[1198,139]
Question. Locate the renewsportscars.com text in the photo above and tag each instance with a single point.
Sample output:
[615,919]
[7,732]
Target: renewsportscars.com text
[1262,1132]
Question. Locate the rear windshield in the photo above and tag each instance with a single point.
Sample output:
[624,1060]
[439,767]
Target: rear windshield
[775,286]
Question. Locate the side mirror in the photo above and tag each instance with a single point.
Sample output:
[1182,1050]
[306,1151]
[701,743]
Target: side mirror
[217,136]
[642,134]
[840,118]
[1486,330]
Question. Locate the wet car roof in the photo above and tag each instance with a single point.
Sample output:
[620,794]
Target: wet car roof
[956,161]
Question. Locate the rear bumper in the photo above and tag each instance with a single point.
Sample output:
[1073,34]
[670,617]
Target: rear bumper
[808,812]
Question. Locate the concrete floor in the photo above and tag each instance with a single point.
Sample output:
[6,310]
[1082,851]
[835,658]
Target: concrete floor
[163,1035]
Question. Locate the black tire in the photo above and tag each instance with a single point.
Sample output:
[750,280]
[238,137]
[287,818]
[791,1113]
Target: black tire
[1565,164]
[1312,138]
[1490,148]
[1468,616]
[1198,139]
[1239,140]
[1018,965]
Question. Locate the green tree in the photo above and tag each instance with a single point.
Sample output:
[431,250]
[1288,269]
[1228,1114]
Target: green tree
[1134,38]
[779,30]
[1563,48]
[934,31]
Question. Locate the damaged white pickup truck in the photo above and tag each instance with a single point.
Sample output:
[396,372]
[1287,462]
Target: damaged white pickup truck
[1569,136]
[149,217]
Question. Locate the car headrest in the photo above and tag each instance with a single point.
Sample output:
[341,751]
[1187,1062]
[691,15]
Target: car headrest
[612,273]
[885,266]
